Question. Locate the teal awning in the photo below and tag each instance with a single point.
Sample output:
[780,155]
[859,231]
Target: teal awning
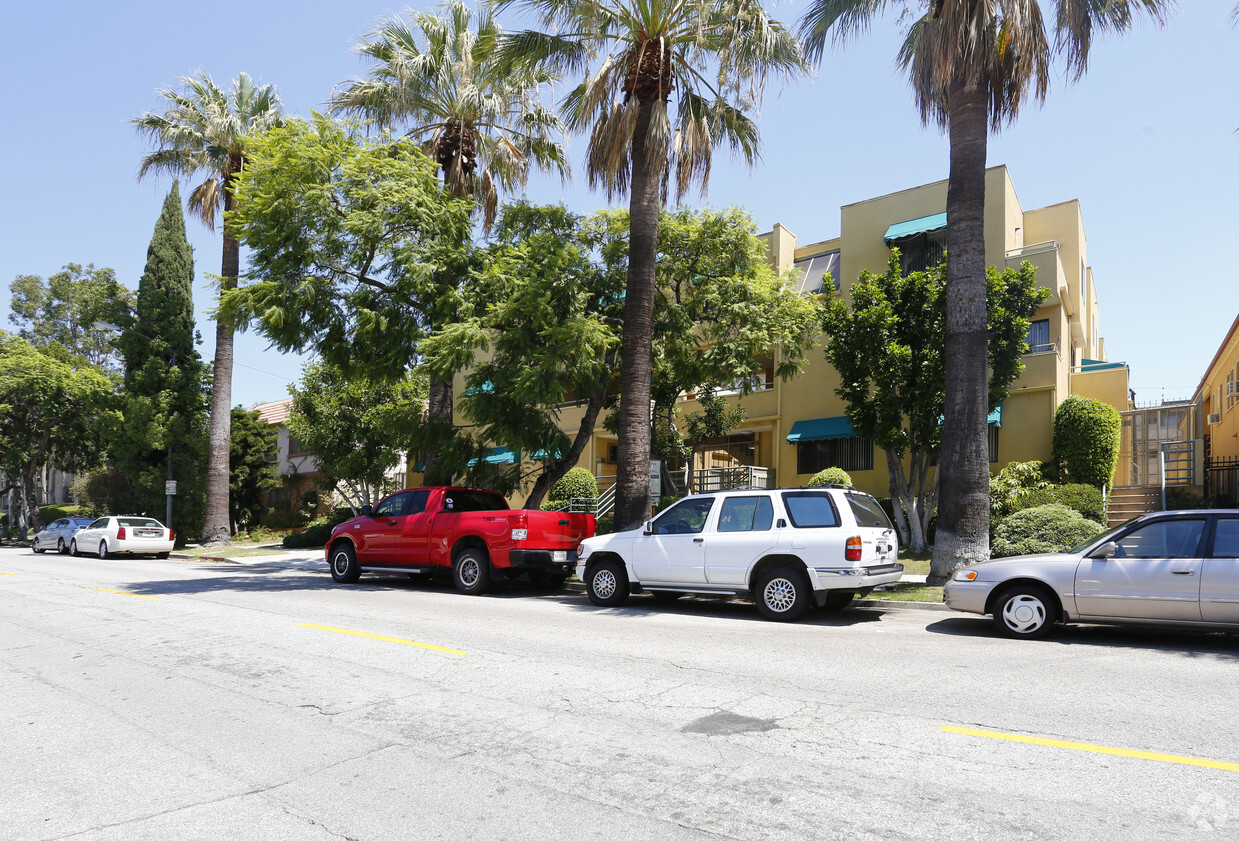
[995,417]
[1098,365]
[820,429]
[913,227]
[498,455]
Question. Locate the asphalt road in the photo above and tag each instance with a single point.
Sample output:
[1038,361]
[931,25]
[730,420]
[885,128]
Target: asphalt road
[170,699]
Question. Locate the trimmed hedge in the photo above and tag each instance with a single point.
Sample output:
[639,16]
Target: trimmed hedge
[318,531]
[831,476]
[1011,483]
[1084,499]
[1046,528]
[577,483]
[1087,437]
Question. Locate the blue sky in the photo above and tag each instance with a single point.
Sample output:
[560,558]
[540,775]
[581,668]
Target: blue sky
[1145,142]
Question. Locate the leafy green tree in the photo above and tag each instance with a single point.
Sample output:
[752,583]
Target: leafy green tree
[164,399]
[554,289]
[254,473]
[887,346]
[54,409]
[972,66]
[633,55]
[1087,439]
[356,428]
[481,123]
[356,251]
[202,130]
[63,308]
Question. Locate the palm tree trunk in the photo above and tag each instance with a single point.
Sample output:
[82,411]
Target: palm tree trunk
[963,507]
[632,481]
[215,529]
[439,418]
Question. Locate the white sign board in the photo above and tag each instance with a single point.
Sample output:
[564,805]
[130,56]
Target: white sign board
[169,487]
[656,481]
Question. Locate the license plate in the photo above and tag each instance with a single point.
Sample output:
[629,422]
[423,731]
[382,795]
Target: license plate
[559,557]
[149,533]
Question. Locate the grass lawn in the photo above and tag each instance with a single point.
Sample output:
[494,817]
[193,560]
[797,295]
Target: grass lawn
[911,591]
[236,550]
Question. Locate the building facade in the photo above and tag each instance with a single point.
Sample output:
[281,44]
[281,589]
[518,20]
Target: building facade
[1217,403]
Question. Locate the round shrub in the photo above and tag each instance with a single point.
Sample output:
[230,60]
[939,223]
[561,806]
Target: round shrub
[577,483]
[1046,528]
[1085,499]
[831,476]
[1010,483]
[1087,436]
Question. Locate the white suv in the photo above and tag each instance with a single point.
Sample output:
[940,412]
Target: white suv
[785,548]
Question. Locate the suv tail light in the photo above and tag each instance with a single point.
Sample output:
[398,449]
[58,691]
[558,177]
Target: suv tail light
[120,533]
[852,553]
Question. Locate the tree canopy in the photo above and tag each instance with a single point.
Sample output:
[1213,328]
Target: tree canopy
[63,308]
[252,468]
[887,347]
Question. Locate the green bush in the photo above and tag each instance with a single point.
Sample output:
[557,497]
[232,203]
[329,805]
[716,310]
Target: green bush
[831,476]
[50,513]
[318,532]
[606,525]
[1046,528]
[577,483]
[1010,483]
[1087,436]
[1084,499]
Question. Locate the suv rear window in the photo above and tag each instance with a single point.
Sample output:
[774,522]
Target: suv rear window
[810,510]
[867,511]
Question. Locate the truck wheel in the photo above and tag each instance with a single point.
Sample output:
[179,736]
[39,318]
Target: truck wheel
[344,566]
[838,601]
[606,583]
[782,594]
[471,572]
[1025,611]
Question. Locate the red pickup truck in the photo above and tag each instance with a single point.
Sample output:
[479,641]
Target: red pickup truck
[472,532]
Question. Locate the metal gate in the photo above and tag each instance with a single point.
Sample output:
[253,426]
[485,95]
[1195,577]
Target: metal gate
[1222,481]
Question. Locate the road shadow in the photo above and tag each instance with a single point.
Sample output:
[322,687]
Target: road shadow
[646,606]
[1183,642]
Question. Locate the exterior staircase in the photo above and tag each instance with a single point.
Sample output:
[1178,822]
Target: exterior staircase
[1129,502]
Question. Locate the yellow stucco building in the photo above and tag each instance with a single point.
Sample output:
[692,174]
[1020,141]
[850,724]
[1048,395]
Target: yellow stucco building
[1217,400]
[795,428]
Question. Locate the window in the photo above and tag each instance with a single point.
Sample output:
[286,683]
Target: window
[867,511]
[295,447]
[474,501]
[417,502]
[1226,538]
[809,510]
[922,251]
[1039,336]
[1167,539]
[393,506]
[993,443]
[685,517]
[815,268]
[746,513]
[851,453]
[138,522]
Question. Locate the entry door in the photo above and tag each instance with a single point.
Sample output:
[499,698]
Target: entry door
[675,553]
[1154,574]
[743,534]
[1219,583]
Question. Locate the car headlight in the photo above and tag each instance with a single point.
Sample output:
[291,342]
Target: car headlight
[964,574]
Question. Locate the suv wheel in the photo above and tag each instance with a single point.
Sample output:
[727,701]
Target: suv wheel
[782,594]
[606,583]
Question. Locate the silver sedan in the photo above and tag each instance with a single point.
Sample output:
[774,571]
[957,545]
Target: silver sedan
[59,534]
[1176,568]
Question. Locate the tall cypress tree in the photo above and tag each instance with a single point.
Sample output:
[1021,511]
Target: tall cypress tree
[165,402]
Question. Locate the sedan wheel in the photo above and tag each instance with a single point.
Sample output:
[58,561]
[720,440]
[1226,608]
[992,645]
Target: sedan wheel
[1025,611]
[73,547]
[61,548]
[104,554]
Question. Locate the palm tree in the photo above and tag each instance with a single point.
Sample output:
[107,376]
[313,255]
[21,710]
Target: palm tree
[972,65]
[201,130]
[484,125]
[633,55]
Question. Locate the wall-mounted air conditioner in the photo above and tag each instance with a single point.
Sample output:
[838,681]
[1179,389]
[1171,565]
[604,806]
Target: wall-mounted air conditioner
[1215,418]
[1232,388]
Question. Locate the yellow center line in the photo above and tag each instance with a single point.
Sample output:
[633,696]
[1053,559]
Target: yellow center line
[123,593]
[18,574]
[380,637]
[1084,746]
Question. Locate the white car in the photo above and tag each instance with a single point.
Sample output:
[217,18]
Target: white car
[786,549]
[109,536]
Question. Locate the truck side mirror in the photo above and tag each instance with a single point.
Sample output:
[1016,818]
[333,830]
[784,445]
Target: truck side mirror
[365,510]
